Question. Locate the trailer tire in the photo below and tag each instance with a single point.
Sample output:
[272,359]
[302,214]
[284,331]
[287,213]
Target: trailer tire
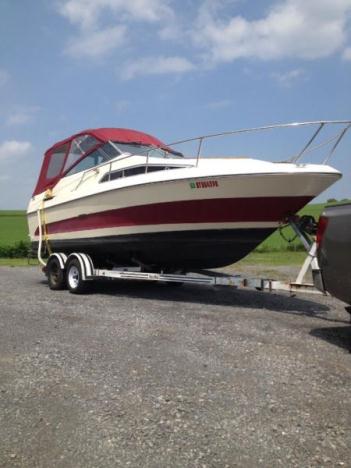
[74,277]
[55,274]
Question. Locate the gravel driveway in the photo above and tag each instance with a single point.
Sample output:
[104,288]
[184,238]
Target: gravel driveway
[148,375]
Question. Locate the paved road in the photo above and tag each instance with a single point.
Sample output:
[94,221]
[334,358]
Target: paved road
[156,376]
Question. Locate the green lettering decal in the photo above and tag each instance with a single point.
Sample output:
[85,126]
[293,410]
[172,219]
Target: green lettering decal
[192,185]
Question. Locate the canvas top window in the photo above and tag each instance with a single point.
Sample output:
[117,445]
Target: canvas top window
[56,162]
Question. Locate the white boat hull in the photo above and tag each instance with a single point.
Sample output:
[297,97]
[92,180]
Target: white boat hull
[189,222]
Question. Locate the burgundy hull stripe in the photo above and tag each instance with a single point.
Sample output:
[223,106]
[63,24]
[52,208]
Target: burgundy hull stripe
[219,210]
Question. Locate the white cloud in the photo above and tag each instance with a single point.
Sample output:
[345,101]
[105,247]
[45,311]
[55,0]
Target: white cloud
[97,44]
[4,77]
[13,148]
[288,78]
[87,13]
[104,24]
[291,28]
[211,32]
[22,115]
[346,55]
[155,66]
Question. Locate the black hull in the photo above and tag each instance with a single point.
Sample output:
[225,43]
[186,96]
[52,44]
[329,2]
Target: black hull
[186,250]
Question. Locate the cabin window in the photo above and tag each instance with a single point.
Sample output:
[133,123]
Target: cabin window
[57,159]
[112,176]
[79,146]
[135,171]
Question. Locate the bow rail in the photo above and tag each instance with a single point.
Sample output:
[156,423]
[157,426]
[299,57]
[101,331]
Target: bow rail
[321,124]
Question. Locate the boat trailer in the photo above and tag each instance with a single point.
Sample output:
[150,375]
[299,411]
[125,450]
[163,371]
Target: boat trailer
[77,270]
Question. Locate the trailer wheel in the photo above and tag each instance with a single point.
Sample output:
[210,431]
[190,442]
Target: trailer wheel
[74,277]
[55,274]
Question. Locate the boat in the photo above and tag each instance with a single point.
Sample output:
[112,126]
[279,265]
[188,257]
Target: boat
[126,198]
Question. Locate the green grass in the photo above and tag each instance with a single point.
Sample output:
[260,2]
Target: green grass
[13,228]
[273,258]
[18,262]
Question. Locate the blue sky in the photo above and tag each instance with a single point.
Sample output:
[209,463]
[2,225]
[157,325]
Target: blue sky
[174,69]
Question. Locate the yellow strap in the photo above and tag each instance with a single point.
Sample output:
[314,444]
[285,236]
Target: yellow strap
[43,223]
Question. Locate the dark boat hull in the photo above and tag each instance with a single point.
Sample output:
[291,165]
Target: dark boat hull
[185,250]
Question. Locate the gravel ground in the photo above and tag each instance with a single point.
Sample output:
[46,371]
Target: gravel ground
[148,375]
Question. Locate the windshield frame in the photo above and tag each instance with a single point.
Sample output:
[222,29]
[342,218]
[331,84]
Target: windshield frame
[146,150]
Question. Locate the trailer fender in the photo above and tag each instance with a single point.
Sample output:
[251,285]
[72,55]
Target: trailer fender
[86,264]
[61,257]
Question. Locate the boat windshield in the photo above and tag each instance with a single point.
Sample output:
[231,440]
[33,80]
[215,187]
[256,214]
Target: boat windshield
[100,155]
[110,150]
[134,148]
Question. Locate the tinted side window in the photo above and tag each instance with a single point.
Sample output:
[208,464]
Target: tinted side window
[156,168]
[134,171]
[112,176]
[56,162]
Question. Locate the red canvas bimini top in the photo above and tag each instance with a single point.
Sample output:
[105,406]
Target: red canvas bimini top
[103,135]
[121,135]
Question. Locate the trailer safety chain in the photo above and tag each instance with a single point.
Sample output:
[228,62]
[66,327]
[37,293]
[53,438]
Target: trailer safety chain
[306,224]
[281,232]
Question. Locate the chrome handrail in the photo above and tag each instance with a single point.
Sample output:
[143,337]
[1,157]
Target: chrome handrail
[342,133]
[294,159]
[308,144]
[321,125]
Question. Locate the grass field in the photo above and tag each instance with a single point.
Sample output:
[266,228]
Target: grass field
[18,262]
[13,227]
[276,258]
